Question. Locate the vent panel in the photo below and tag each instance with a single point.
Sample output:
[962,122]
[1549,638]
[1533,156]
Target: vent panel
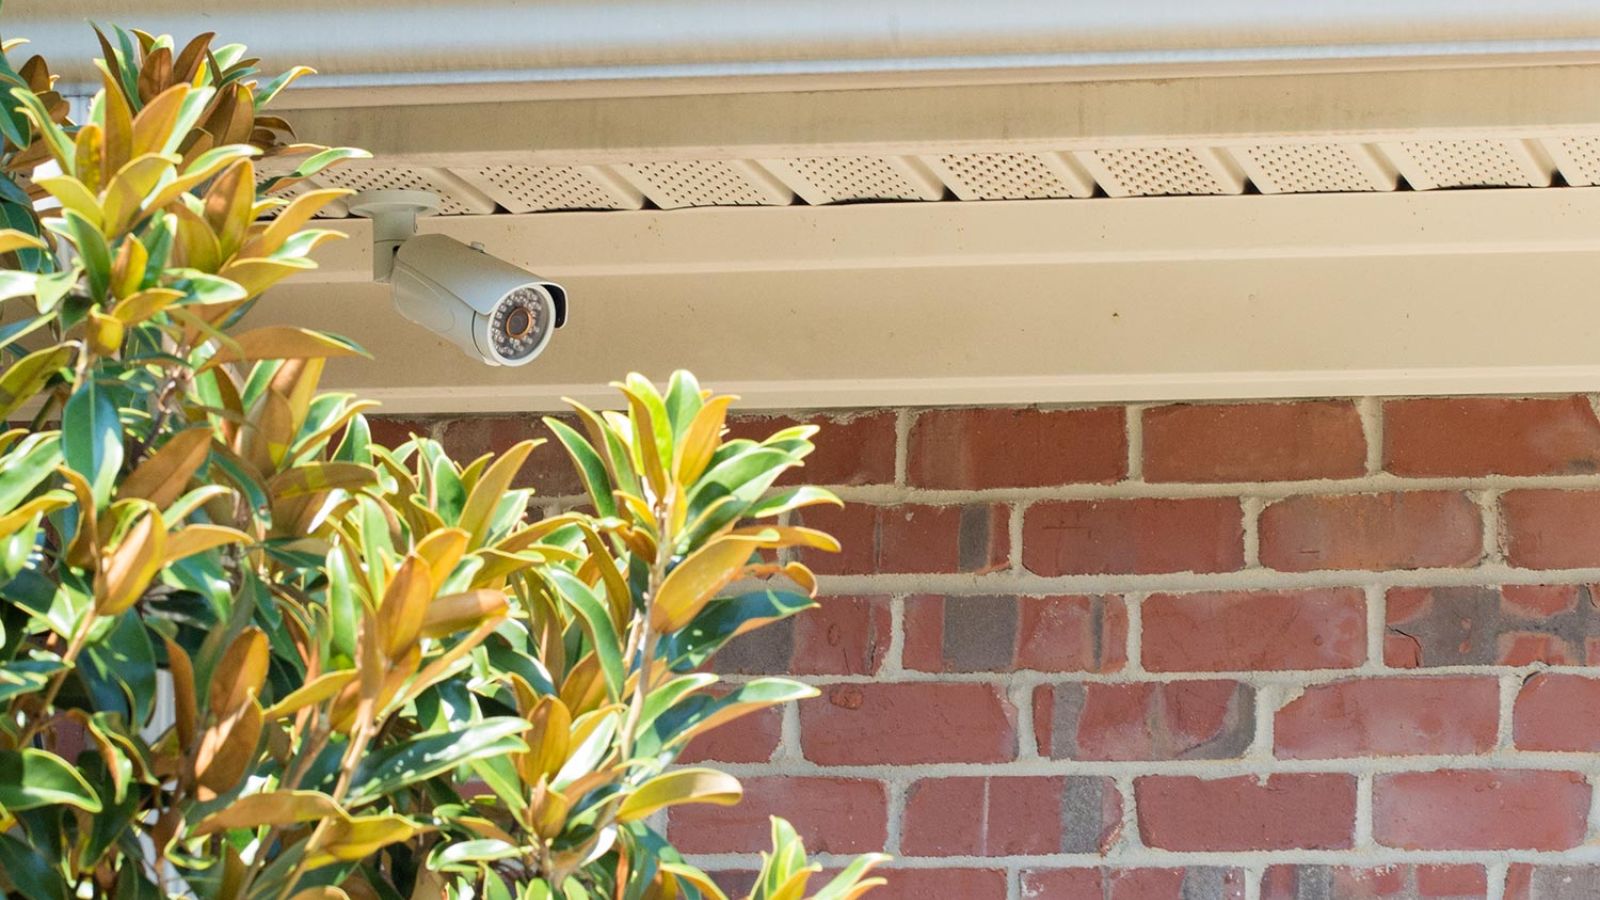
[522,189]
[1578,158]
[1160,171]
[705,182]
[1011,176]
[455,197]
[821,180]
[1315,168]
[1469,163]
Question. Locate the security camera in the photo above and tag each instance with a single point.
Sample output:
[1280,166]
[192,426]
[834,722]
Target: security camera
[497,312]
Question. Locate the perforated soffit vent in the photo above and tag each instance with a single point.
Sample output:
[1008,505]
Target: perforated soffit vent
[1304,166]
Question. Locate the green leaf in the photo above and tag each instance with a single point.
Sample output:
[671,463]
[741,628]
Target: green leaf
[120,669]
[682,402]
[316,163]
[451,857]
[588,754]
[91,443]
[25,866]
[723,619]
[28,464]
[590,467]
[702,712]
[344,610]
[27,676]
[842,884]
[746,475]
[17,284]
[31,778]
[790,499]
[421,758]
[27,376]
[667,696]
[597,625]
[500,774]
[92,250]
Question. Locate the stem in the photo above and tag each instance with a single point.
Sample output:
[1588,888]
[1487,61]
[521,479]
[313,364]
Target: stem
[291,780]
[658,574]
[79,639]
[358,743]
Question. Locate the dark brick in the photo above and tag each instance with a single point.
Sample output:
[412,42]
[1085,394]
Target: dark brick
[1474,626]
[1004,633]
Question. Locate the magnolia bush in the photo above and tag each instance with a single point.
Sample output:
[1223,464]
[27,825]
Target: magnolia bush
[247,652]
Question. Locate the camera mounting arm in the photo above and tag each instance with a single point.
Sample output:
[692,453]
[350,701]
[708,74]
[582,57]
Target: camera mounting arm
[394,219]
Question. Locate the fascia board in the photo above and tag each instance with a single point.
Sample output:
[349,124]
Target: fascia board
[370,43]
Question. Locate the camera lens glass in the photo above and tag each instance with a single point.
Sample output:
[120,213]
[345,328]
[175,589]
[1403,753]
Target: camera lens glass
[519,323]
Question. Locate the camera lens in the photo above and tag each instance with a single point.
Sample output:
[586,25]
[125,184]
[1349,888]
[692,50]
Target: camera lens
[521,322]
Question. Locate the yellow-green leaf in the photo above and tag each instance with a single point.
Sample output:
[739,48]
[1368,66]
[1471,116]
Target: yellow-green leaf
[697,580]
[679,787]
[141,306]
[23,378]
[271,808]
[240,673]
[459,612]
[163,477]
[281,342]
[12,239]
[324,687]
[490,489]
[129,568]
[198,538]
[405,604]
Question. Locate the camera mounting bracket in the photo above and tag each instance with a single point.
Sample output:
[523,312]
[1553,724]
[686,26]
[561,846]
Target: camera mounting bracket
[394,219]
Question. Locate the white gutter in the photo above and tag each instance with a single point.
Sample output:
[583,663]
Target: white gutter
[417,42]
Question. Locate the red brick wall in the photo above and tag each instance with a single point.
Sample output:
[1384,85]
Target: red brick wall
[1288,651]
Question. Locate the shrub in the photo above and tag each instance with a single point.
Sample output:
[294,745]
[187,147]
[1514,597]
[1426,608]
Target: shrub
[245,651]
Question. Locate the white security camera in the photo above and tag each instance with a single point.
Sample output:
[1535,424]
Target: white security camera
[497,312]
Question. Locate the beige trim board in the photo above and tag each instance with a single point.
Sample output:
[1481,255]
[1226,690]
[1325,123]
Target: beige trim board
[1027,302]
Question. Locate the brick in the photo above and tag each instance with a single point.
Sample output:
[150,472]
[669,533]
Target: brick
[1527,881]
[1515,625]
[1145,720]
[832,815]
[842,636]
[1470,436]
[1192,883]
[974,449]
[1255,630]
[908,723]
[1005,633]
[1390,717]
[749,739]
[549,469]
[1551,529]
[1377,532]
[1246,442]
[1011,816]
[1133,537]
[1480,809]
[922,884]
[1559,712]
[972,538]
[391,431]
[1281,812]
[852,448]
[1391,882]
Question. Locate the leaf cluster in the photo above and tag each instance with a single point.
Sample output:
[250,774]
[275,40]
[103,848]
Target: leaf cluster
[245,651]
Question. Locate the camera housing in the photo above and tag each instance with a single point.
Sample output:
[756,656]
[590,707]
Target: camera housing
[496,312]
